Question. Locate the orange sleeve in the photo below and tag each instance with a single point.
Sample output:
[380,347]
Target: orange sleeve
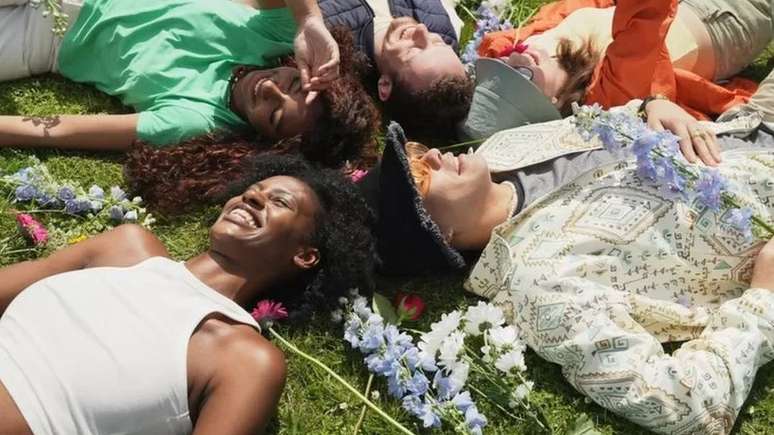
[546,18]
[637,63]
[704,99]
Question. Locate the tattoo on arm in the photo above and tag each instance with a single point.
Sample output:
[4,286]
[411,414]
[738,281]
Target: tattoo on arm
[48,122]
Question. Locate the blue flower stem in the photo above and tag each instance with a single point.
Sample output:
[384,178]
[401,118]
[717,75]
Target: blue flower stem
[729,200]
[341,380]
[365,407]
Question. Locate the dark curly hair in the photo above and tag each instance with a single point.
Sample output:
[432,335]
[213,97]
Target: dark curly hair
[431,114]
[342,234]
[170,179]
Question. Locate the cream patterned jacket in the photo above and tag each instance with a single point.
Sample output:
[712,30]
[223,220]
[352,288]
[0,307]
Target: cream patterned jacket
[600,272]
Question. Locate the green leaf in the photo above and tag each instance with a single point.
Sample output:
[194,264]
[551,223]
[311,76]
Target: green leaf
[383,307]
[583,426]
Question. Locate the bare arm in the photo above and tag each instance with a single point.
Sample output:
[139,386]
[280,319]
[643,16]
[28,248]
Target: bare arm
[85,132]
[243,393]
[123,246]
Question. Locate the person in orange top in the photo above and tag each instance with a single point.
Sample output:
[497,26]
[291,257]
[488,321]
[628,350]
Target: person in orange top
[594,52]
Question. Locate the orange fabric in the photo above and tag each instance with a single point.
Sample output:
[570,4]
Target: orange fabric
[637,62]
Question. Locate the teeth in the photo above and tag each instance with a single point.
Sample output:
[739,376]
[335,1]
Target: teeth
[244,216]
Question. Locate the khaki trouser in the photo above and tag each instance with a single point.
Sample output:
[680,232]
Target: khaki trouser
[28,45]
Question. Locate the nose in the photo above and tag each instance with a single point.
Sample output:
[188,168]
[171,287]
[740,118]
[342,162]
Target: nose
[255,198]
[518,59]
[433,159]
[270,90]
[421,36]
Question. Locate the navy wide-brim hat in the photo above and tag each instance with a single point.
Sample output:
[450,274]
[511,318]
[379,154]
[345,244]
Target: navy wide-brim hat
[408,240]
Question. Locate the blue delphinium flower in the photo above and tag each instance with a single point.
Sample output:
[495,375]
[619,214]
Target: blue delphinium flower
[65,193]
[77,205]
[671,181]
[97,196]
[116,213]
[741,220]
[474,419]
[46,200]
[24,176]
[130,216]
[117,193]
[709,189]
[25,192]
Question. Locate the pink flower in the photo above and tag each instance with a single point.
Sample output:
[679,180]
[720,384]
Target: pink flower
[267,311]
[518,48]
[32,229]
[357,175]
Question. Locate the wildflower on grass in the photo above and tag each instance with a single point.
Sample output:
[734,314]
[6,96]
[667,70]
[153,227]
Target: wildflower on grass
[266,312]
[409,306]
[481,317]
[32,229]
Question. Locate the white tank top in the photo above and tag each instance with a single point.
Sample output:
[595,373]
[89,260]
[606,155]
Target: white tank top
[104,350]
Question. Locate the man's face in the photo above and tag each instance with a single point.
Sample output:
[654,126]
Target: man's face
[417,57]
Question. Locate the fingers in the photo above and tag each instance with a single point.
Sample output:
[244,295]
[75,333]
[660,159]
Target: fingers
[686,145]
[310,97]
[303,69]
[705,145]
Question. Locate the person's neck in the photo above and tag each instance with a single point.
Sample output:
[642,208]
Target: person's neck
[225,277]
[495,210]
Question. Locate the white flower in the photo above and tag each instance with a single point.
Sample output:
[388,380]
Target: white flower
[450,348]
[486,352]
[448,323]
[343,300]
[505,337]
[375,395]
[354,292]
[137,200]
[482,316]
[337,316]
[498,6]
[512,359]
[522,390]
[429,344]
[360,306]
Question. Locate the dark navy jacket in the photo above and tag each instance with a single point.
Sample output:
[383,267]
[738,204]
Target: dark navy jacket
[358,16]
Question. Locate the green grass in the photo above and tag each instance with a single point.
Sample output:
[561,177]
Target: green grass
[312,402]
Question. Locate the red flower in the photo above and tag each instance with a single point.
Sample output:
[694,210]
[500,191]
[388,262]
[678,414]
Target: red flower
[409,306]
[266,312]
[518,48]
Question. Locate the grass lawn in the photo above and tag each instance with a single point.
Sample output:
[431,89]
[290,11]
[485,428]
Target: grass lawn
[313,403]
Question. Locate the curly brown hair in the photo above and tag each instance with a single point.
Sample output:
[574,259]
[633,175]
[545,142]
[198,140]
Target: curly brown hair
[579,63]
[171,179]
[431,114]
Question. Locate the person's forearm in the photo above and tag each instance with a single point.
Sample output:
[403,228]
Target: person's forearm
[101,132]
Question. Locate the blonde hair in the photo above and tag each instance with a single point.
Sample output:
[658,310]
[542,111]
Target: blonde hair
[419,169]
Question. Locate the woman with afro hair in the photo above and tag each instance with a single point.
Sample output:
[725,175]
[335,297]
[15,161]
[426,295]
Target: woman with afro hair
[110,335]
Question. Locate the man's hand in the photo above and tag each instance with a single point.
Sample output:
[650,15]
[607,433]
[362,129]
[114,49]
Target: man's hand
[695,140]
[763,271]
[317,55]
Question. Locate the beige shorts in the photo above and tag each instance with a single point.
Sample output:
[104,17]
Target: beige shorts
[740,30]
[28,45]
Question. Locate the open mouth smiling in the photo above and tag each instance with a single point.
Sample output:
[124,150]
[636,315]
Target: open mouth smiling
[243,214]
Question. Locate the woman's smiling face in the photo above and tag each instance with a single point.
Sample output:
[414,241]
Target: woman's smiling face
[268,224]
[272,101]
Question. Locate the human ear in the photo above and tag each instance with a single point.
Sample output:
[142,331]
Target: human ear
[306,258]
[385,87]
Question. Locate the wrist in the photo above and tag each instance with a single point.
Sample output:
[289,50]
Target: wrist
[642,112]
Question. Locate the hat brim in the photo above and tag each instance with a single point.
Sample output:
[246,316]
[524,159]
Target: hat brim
[504,99]
[408,240]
